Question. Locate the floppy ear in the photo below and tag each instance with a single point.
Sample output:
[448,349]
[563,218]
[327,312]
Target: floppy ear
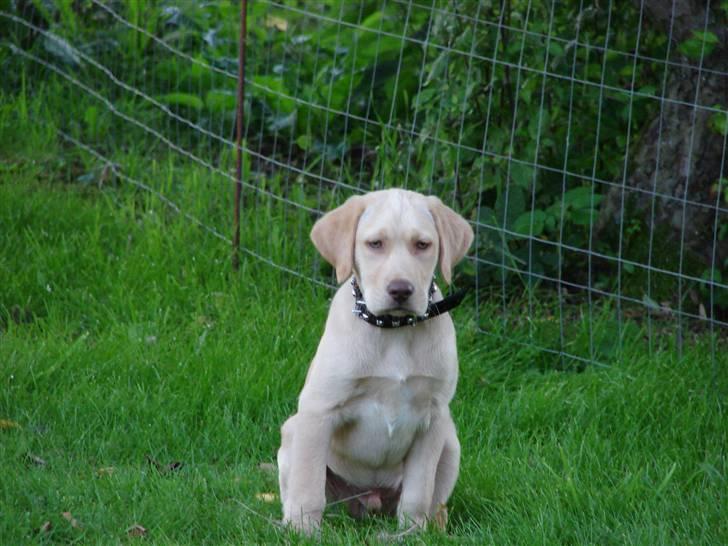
[455,236]
[333,236]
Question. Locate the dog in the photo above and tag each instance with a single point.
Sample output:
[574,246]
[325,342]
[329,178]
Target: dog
[373,427]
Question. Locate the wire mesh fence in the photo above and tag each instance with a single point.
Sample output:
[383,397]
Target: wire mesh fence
[585,142]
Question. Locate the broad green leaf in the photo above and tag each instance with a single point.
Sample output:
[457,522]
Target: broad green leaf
[521,174]
[509,206]
[523,223]
[373,48]
[182,99]
[304,142]
[583,217]
[701,43]
[626,70]
[714,273]
[373,20]
[274,91]
[486,216]
[581,197]
[220,100]
[719,122]
[555,49]
[647,90]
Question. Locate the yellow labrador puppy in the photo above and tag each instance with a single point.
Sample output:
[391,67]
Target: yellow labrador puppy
[373,426]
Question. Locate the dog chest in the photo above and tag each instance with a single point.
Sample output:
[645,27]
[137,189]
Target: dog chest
[382,416]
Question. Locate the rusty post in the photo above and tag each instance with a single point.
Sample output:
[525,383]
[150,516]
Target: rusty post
[239,134]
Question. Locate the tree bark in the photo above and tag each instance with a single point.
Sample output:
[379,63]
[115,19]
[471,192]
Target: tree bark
[679,154]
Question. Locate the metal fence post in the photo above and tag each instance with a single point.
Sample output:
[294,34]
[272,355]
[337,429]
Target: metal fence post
[239,135]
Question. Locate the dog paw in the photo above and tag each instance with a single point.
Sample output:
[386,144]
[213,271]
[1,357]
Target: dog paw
[440,517]
[407,519]
[307,524]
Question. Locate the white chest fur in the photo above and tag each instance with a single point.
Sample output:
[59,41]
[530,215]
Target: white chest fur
[382,416]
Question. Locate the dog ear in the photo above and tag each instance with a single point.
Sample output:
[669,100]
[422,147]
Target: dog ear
[333,236]
[455,236]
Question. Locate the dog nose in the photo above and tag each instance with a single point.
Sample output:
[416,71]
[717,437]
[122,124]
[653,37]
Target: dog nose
[400,290]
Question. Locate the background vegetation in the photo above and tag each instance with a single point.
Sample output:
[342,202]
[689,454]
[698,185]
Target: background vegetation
[144,382]
[450,99]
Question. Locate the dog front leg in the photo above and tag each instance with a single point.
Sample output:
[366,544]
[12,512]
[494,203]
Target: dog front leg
[418,482]
[305,495]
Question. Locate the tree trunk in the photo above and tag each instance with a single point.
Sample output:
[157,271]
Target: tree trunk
[689,149]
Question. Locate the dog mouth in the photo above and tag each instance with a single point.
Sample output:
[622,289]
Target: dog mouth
[402,310]
[399,311]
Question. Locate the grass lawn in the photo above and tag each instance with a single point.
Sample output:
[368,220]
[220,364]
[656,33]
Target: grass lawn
[143,383]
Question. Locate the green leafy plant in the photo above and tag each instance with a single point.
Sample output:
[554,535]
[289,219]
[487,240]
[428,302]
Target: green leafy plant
[522,121]
[701,43]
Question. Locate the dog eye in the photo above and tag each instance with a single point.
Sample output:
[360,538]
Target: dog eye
[423,245]
[374,244]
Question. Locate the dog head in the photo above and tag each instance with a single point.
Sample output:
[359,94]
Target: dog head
[393,240]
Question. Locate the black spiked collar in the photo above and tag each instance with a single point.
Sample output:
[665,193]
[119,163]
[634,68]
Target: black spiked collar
[394,321]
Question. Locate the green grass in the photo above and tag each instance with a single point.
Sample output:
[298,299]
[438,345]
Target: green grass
[126,340]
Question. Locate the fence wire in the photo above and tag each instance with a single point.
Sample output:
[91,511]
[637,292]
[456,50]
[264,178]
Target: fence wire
[584,142]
